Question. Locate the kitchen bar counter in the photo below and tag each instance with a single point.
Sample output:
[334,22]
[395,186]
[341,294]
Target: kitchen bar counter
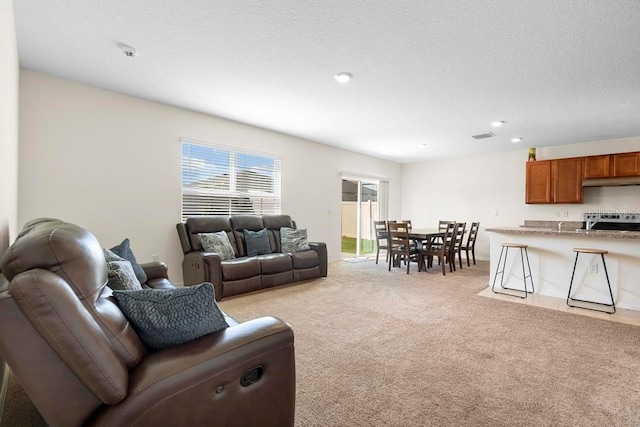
[579,233]
[552,257]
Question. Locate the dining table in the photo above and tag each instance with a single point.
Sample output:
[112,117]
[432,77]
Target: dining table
[422,237]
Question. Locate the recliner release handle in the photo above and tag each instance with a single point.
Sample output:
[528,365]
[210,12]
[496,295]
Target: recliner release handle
[252,376]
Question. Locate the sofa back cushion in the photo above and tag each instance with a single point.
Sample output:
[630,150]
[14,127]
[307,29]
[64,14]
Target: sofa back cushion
[239,223]
[208,224]
[274,223]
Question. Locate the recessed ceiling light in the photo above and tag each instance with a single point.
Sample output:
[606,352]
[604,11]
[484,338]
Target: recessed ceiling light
[497,124]
[343,77]
[422,145]
[516,139]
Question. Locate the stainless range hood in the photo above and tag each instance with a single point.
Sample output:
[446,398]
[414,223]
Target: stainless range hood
[611,182]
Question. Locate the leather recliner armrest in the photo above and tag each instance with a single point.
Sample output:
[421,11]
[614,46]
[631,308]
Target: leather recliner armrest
[155,270]
[243,375]
[321,248]
[199,267]
[157,275]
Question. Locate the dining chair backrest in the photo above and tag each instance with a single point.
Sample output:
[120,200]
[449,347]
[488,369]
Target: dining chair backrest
[408,222]
[382,237]
[473,233]
[450,234]
[380,227]
[460,228]
[398,235]
[400,246]
[442,225]
[398,227]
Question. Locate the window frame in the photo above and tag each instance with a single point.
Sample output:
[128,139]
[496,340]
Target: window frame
[263,198]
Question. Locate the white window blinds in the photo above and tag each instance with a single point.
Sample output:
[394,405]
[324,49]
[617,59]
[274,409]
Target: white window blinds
[224,181]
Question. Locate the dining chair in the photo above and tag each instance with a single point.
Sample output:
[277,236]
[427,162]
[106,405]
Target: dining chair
[382,238]
[443,250]
[408,222]
[456,246]
[470,245]
[400,246]
[442,226]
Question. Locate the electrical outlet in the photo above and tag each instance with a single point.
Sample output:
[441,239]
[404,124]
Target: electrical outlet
[556,214]
[155,258]
[565,214]
[594,268]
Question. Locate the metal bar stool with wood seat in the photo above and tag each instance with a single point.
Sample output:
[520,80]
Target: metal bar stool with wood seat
[523,254]
[602,253]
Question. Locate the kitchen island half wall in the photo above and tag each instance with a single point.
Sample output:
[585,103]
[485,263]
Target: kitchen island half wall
[552,258]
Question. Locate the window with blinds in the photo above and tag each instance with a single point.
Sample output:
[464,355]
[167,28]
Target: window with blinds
[224,181]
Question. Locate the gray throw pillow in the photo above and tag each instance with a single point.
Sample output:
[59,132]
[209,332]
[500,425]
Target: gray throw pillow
[124,250]
[293,240]
[257,242]
[167,317]
[218,243]
[120,273]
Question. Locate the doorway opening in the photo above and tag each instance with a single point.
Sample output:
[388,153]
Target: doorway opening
[359,209]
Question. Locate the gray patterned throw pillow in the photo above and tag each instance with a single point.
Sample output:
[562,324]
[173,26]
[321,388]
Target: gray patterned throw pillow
[257,242]
[120,273]
[294,240]
[124,250]
[168,317]
[218,243]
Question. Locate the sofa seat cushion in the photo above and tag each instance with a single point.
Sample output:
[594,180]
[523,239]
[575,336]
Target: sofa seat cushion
[305,259]
[240,268]
[275,263]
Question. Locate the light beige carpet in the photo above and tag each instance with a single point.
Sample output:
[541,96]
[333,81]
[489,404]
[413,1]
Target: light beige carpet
[379,348]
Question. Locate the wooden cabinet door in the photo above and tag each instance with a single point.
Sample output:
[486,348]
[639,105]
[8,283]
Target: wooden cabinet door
[626,164]
[567,180]
[538,182]
[597,166]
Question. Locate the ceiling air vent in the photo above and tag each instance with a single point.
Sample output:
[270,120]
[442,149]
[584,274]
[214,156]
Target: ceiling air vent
[483,135]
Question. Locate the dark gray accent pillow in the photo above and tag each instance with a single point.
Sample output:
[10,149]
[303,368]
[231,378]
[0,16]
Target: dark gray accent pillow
[257,242]
[167,317]
[124,250]
[294,240]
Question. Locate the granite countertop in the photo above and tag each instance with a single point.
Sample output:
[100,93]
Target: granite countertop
[568,232]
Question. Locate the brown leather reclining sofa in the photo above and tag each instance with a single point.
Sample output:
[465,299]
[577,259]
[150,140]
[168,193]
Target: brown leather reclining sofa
[82,363]
[243,273]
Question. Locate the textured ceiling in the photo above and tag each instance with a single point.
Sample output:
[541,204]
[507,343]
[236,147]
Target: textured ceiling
[425,72]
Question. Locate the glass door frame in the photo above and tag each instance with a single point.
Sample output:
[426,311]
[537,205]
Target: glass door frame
[360,181]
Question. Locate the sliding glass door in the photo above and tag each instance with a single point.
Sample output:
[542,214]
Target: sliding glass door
[359,210]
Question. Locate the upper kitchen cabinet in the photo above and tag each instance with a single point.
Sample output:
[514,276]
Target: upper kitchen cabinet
[566,178]
[554,181]
[597,166]
[538,185]
[625,164]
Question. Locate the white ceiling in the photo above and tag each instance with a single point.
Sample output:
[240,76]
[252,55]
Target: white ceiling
[431,72]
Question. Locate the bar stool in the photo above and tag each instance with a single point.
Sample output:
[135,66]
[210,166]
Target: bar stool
[523,254]
[602,253]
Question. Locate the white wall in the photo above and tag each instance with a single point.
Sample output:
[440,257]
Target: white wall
[8,125]
[111,163]
[491,189]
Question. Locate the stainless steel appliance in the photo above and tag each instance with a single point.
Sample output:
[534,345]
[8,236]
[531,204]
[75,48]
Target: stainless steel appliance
[611,221]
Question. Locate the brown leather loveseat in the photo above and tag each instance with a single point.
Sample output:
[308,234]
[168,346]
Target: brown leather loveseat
[82,363]
[246,273]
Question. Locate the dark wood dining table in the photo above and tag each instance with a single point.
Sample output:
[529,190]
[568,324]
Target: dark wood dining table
[425,236]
